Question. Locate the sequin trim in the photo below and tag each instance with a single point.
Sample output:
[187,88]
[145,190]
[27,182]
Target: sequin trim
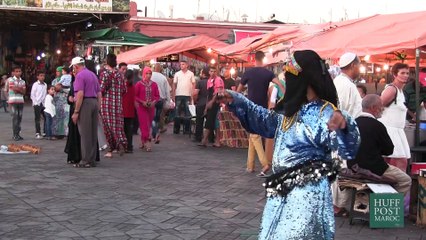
[325,105]
[281,183]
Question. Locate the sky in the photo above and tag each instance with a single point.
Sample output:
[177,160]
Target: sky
[299,11]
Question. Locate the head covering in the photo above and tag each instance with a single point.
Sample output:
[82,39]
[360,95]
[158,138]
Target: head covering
[346,59]
[59,70]
[145,70]
[305,68]
[76,60]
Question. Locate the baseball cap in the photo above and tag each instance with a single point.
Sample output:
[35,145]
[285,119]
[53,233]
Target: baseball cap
[346,59]
[76,60]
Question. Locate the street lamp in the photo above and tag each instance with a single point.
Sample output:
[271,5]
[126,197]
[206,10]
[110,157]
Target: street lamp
[386,67]
[367,58]
[232,71]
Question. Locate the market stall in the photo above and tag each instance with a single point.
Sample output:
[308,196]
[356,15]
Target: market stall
[195,46]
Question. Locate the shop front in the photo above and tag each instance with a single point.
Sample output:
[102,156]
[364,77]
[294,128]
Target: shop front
[41,35]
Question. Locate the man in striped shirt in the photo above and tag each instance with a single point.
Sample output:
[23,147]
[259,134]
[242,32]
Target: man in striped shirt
[17,88]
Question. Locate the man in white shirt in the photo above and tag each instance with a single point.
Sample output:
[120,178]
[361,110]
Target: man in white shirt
[164,89]
[350,101]
[183,85]
[38,94]
[349,98]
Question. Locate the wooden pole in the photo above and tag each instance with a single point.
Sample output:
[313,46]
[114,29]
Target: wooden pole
[421,210]
[417,132]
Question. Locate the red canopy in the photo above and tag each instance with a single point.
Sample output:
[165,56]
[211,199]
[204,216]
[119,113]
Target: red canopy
[378,34]
[239,47]
[281,34]
[167,47]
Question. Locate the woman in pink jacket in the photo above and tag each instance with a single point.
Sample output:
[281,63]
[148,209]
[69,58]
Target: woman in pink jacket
[146,95]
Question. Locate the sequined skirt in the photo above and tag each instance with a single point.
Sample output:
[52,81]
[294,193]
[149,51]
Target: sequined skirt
[306,212]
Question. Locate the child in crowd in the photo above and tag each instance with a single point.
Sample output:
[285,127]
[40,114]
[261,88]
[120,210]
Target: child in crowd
[66,77]
[49,112]
[3,93]
[129,109]
[38,94]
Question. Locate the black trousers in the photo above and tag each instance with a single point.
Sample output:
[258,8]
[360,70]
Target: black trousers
[128,131]
[199,122]
[182,109]
[38,114]
[135,123]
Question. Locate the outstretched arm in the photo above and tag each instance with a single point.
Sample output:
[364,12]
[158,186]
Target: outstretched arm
[254,118]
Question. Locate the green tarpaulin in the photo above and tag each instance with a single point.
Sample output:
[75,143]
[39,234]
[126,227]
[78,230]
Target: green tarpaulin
[114,34]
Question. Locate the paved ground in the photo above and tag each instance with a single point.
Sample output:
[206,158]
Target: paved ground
[178,191]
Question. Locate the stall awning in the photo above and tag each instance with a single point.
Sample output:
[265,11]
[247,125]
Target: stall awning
[117,37]
[167,47]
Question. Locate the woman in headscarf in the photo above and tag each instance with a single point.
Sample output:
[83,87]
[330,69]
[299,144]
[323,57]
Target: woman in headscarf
[146,95]
[307,128]
[60,120]
[58,75]
[113,88]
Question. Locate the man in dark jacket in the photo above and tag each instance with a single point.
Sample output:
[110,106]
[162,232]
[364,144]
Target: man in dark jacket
[375,142]
[200,99]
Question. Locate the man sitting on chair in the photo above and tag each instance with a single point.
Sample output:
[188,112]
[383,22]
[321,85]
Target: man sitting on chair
[375,142]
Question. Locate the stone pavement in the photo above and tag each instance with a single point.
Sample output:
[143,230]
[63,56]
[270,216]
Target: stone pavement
[178,191]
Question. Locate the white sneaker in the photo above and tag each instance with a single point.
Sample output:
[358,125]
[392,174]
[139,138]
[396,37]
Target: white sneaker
[103,147]
[38,136]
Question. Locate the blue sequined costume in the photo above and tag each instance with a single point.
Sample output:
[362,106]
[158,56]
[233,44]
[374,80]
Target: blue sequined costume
[305,212]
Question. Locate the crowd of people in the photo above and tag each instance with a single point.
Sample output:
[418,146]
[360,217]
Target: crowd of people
[127,101]
[296,122]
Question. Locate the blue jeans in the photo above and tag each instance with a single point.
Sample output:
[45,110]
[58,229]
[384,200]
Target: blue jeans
[48,124]
[156,121]
[181,110]
[182,106]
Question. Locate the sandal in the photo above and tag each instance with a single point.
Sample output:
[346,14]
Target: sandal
[78,165]
[262,175]
[108,155]
[121,149]
[148,147]
[340,212]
